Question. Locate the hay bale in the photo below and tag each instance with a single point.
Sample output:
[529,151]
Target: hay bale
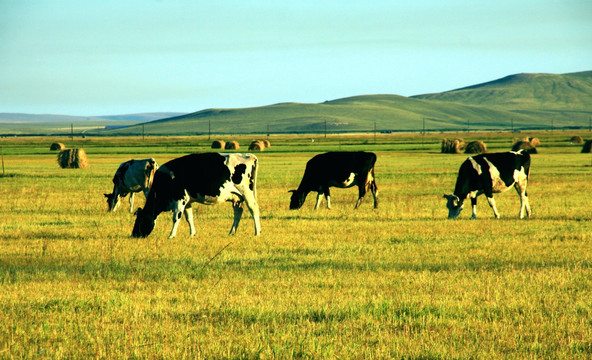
[257,146]
[72,159]
[232,145]
[576,140]
[218,144]
[267,143]
[475,147]
[521,144]
[453,146]
[57,146]
[534,141]
[587,147]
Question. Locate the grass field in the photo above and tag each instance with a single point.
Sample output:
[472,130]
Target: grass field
[398,282]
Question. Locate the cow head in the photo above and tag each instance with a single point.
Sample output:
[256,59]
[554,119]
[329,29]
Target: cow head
[112,201]
[144,223]
[454,205]
[297,199]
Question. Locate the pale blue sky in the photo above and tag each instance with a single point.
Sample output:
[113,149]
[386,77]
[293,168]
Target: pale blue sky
[103,57]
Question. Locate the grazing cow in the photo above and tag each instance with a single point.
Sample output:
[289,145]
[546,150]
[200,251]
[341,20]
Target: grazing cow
[337,169]
[488,174]
[131,177]
[209,178]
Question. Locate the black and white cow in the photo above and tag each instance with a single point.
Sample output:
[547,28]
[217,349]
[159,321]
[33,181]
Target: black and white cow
[209,178]
[131,177]
[488,174]
[336,169]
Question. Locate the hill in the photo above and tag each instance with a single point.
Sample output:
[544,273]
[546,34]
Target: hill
[526,91]
[518,102]
[523,101]
[48,124]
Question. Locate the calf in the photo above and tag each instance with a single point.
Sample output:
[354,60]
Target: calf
[209,178]
[337,169]
[488,174]
[131,177]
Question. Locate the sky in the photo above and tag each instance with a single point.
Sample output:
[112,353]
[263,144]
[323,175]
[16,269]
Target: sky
[108,57]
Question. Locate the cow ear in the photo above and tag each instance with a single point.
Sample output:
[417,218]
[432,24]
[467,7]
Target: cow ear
[291,191]
[138,211]
[107,195]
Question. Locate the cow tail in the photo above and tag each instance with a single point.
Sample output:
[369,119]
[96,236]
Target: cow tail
[254,177]
[526,164]
[373,184]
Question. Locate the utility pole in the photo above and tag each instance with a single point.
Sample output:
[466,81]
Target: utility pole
[423,135]
[209,128]
[375,131]
[325,129]
[143,133]
[72,131]
[3,173]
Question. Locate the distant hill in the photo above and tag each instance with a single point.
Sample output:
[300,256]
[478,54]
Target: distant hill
[523,101]
[526,92]
[519,102]
[22,118]
[47,124]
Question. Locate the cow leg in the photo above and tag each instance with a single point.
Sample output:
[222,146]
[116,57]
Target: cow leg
[524,204]
[361,194]
[131,202]
[254,210]
[237,206]
[189,218]
[473,195]
[328,197]
[178,210]
[319,198]
[491,202]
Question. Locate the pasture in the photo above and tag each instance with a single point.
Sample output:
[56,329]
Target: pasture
[398,282]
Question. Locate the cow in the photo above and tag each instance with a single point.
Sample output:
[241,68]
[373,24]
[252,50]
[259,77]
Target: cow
[208,178]
[131,177]
[336,169]
[487,174]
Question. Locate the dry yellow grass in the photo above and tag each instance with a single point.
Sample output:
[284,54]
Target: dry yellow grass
[397,282]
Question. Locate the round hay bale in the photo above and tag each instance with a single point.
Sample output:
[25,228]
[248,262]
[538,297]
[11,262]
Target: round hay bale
[475,147]
[587,147]
[257,145]
[232,145]
[218,144]
[534,141]
[72,159]
[267,143]
[57,146]
[576,140]
[524,145]
[453,146]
